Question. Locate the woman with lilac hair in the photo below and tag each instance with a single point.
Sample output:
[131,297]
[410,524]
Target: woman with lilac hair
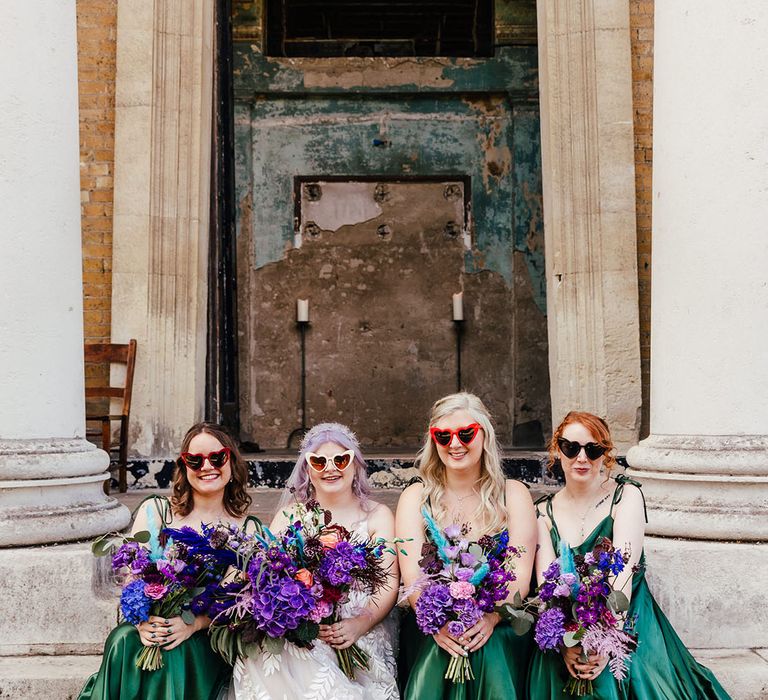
[331,470]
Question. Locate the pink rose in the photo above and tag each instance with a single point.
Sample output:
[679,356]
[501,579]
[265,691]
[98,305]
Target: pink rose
[155,590]
[461,589]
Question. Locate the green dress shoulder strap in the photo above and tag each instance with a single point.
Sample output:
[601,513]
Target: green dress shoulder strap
[547,501]
[621,481]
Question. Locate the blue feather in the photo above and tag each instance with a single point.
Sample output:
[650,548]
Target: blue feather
[480,574]
[155,550]
[436,536]
[568,565]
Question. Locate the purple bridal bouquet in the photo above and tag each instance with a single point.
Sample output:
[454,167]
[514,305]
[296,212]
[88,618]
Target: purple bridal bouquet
[461,581]
[159,577]
[286,585]
[579,605]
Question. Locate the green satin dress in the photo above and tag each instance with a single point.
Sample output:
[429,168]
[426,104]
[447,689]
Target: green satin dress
[661,667]
[499,666]
[191,671]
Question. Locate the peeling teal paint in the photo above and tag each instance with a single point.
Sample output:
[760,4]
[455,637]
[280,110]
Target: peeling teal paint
[513,71]
[482,122]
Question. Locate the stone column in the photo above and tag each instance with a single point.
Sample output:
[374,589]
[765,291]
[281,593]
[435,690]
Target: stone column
[589,211]
[50,477]
[704,467]
[163,109]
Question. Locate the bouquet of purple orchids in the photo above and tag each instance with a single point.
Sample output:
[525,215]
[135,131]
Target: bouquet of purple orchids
[461,581]
[579,605]
[159,576]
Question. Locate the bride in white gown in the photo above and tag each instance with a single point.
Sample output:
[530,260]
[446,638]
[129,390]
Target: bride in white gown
[331,469]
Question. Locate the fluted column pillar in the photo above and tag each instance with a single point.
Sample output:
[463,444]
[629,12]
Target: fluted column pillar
[589,211]
[50,477]
[704,468]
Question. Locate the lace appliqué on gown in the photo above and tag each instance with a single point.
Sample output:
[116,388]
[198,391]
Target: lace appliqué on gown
[314,674]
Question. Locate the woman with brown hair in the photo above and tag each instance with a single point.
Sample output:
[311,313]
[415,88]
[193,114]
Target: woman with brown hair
[209,486]
[593,505]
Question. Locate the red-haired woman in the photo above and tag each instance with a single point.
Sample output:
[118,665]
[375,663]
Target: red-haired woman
[592,505]
[209,486]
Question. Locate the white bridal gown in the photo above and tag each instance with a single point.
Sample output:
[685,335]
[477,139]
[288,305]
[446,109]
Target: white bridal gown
[314,674]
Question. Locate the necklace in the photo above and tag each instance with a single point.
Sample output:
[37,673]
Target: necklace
[458,514]
[590,509]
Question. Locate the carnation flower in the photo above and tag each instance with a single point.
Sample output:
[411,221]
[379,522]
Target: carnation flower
[455,628]
[155,590]
[461,589]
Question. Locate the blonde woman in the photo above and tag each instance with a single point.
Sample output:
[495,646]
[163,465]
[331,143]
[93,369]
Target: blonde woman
[462,483]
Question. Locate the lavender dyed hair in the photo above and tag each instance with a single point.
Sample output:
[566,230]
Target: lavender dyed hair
[299,478]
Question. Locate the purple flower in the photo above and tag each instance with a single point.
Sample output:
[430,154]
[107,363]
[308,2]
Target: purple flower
[432,608]
[547,590]
[134,604]
[553,571]
[280,605]
[338,564]
[468,612]
[562,590]
[468,559]
[549,629]
[586,615]
[131,555]
[455,628]
[452,552]
[452,532]
[464,573]
[568,579]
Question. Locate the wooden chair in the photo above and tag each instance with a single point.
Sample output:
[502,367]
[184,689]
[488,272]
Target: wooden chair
[99,401]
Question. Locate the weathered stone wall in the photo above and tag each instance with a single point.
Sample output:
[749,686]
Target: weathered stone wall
[394,119]
[641,25]
[96,48]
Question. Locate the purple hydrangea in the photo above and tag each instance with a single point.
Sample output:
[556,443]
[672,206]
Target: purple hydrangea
[467,611]
[339,562]
[550,629]
[432,608]
[134,604]
[281,604]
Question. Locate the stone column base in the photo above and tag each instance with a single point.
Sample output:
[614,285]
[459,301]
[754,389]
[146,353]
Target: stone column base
[712,592]
[38,509]
[704,487]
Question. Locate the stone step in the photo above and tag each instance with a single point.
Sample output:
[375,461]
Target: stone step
[743,672]
[45,677]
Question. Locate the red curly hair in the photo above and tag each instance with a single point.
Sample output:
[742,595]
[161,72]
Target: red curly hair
[600,432]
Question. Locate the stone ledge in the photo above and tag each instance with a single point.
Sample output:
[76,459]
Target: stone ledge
[45,677]
[742,672]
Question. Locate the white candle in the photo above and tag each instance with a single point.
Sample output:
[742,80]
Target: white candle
[458,306]
[302,310]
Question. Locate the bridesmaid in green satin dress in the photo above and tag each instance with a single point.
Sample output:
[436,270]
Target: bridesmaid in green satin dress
[590,506]
[462,482]
[191,670]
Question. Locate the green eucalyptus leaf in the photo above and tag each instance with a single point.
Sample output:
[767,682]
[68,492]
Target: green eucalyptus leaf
[569,639]
[188,616]
[142,536]
[477,551]
[521,622]
[101,546]
[618,602]
[517,600]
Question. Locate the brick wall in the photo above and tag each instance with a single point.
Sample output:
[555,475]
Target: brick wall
[641,31]
[96,45]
